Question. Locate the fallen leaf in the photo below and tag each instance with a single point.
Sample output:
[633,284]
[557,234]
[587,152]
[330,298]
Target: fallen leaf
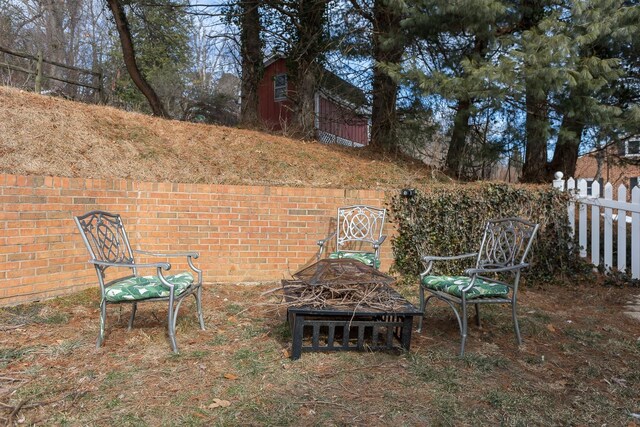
[286,352]
[231,376]
[551,328]
[219,403]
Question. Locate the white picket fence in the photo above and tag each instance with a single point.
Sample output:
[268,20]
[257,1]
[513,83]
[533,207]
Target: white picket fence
[607,213]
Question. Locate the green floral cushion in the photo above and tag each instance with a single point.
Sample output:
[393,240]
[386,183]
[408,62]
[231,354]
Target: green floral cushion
[453,285]
[368,258]
[140,288]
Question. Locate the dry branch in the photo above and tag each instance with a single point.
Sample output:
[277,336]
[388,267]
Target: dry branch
[23,404]
[10,327]
[373,296]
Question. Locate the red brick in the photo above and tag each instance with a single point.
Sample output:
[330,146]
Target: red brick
[34,263]
[241,232]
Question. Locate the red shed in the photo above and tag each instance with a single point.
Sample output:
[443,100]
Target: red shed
[340,115]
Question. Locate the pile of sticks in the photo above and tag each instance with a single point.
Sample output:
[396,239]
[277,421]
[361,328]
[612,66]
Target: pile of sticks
[374,295]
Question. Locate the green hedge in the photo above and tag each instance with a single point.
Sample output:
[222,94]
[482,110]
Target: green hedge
[449,220]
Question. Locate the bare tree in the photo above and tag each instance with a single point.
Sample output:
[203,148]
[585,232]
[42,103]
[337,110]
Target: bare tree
[129,55]
[251,54]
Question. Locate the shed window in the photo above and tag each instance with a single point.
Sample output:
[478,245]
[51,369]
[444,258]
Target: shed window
[280,87]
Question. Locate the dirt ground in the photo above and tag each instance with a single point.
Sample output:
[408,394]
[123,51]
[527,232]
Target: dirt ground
[579,365]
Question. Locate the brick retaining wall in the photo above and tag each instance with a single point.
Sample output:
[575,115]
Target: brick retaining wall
[243,233]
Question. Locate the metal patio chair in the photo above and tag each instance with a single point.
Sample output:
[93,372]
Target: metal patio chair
[106,239]
[503,251]
[358,235]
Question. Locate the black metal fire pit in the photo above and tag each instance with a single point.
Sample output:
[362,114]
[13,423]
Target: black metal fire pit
[344,324]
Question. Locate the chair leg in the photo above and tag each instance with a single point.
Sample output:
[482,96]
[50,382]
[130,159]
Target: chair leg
[198,296]
[103,322]
[422,306]
[462,320]
[133,315]
[171,326]
[477,314]
[463,328]
[515,323]
[174,345]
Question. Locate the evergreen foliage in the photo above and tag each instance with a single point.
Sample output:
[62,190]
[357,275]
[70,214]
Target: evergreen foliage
[560,65]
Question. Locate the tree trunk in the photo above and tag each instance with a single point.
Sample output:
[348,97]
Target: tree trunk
[388,48]
[565,155]
[535,161]
[456,152]
[75,12]
[303,64]
[306,86]
[251,51]
[384,121]
[55,40]
[129,55]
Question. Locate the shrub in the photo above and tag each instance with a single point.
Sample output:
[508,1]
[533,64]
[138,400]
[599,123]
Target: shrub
[449,220]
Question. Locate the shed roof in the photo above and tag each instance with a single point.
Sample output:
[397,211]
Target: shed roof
[337,86]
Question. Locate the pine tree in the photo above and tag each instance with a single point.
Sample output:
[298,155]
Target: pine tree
[457,39]
[387,40]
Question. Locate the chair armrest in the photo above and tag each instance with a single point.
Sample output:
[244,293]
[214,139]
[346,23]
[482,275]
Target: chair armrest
[377,243]
[321,243]
[326,239]
[189,254]
[161,265]
[428,260]
[157,265]
[471,271]
[167,255]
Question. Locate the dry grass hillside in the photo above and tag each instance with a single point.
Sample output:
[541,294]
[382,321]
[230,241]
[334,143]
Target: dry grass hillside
[41,135]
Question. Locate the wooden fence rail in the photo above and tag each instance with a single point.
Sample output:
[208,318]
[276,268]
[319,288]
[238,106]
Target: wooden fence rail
[39,75]
[609,216]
